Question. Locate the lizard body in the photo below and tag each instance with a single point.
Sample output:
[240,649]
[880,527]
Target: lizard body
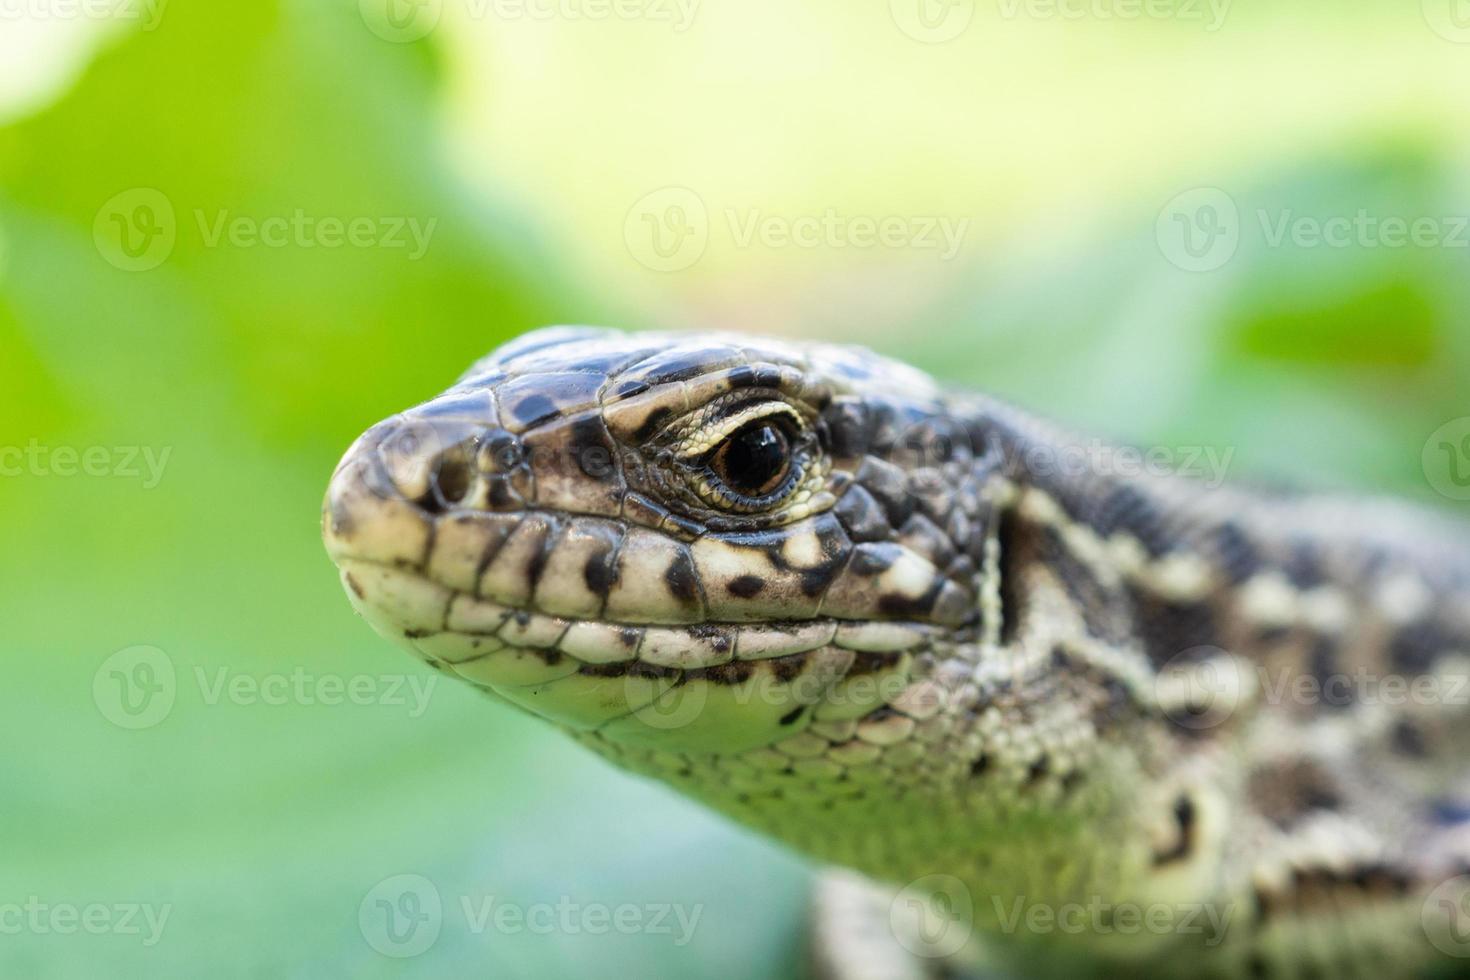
[924,636]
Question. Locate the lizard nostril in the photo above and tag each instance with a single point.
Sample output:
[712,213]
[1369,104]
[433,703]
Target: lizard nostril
[452,479]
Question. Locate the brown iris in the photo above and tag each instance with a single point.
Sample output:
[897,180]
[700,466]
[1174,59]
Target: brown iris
[754,461]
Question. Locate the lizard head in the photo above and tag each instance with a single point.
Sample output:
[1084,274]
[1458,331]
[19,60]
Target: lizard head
[695,543]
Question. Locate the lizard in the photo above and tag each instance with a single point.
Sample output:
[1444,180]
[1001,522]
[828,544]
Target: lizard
[1043,712]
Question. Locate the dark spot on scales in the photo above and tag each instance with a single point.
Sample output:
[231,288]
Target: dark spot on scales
[725,675]
[790,717]
[875,559]
[603,670]
[681,578]
[1012,538]
[600,572]
[534,408]
[847,428]
[861,516]
[1184,820]
[1303,567]
[740,671]
[1415,648]
[595,452]
[502,496]
[907,607]
[1130,510]
[653,423]
[746,586]
[1236,553]
[356,588]
[628,389]
[867,662]
[536,567]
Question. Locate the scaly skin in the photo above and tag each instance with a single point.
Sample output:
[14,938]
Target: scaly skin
[938,653]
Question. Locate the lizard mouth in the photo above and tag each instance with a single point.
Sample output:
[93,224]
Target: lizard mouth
[717,687]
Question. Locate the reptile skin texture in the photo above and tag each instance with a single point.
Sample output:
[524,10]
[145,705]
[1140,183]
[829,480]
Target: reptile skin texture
[921,635]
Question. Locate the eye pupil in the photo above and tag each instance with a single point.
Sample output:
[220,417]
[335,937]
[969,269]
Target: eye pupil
[754,460]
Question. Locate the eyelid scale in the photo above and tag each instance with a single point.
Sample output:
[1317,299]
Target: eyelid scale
[701,440]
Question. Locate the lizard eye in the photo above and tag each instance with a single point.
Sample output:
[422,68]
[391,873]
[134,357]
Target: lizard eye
[746,457]
[754,461]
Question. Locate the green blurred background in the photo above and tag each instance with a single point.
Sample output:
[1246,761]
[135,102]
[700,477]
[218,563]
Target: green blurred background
[562,166]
